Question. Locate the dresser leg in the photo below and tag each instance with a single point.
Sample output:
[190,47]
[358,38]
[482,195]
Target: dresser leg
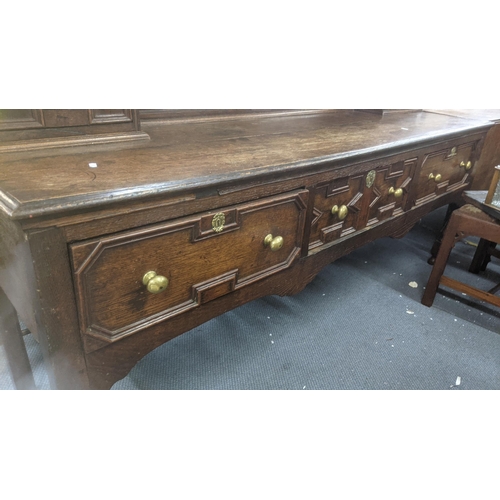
[12,340]
[57,317]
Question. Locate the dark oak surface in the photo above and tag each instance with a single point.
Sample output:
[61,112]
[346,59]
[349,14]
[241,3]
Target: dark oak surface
[492,115]
[77,241]
[490,155]
[180,157]
[24,130]
[200,264]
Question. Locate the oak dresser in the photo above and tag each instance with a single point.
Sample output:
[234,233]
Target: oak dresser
[122,229]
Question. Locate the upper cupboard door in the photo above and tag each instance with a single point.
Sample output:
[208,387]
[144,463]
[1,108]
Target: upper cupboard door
[189,261]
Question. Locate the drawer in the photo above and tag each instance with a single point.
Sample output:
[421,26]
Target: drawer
[203,257]
[349,204]
[445,170]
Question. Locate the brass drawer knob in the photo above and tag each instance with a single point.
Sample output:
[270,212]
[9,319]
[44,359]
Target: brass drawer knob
[436,177]
[396,192]
[467,165]
[154,283]
[273,243]
[341,212]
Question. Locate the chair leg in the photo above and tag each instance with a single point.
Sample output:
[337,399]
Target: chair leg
[481,256]
[447,243]
[437,243]
[15,350]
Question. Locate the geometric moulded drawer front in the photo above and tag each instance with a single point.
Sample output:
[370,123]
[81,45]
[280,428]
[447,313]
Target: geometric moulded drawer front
[388,196]
[445,171]
[347,205]
[346,195]
[199,258]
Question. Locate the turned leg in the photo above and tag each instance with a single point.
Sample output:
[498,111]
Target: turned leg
[12,340]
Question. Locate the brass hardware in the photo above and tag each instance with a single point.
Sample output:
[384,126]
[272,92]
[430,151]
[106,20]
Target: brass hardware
[396,192]
[453,151]
[370,178]
[341,212]
[436,177]
[273,243]
[218,222]
[154,283]
[467,165]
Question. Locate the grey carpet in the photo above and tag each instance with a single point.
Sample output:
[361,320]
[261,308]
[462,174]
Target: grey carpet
[358,325]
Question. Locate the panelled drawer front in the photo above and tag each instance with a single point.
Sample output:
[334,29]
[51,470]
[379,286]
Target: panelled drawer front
[346,195]
[445,170]
[388,196]
[200,263]
[359,201]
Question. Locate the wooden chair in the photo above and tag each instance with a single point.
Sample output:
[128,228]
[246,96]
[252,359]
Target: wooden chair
[485,250]
[466,221]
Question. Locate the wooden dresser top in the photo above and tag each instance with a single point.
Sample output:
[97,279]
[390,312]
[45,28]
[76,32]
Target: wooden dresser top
[186,156]
[492,115]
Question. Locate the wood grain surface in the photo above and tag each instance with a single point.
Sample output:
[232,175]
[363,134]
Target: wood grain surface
[82,225]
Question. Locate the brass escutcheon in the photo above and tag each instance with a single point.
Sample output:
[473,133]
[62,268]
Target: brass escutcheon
[370,178]
[218,222]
